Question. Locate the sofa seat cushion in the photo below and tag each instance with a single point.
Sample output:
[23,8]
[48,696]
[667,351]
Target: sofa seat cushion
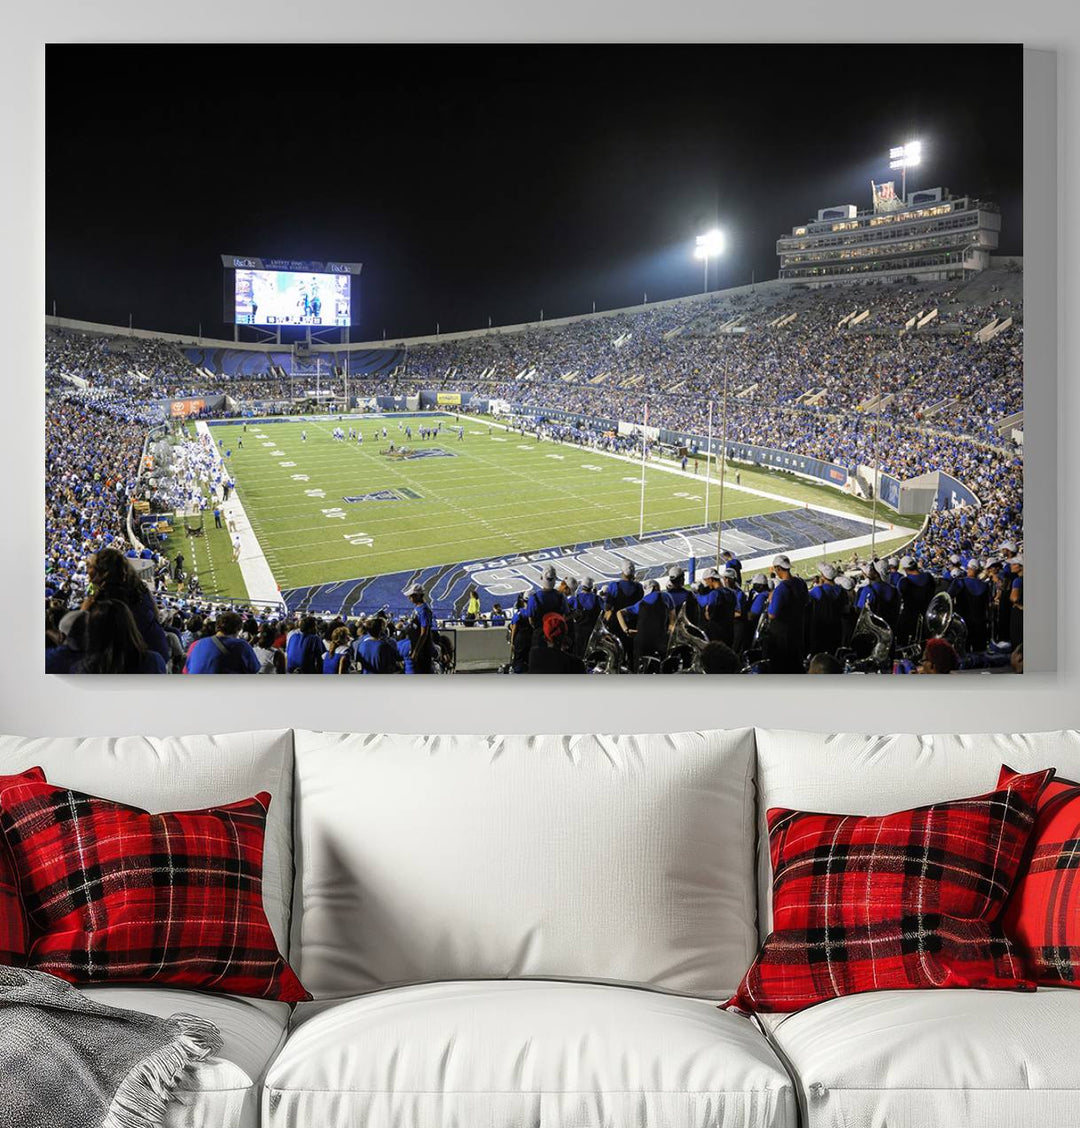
[223,1091]
[525,1054]
[909,1059]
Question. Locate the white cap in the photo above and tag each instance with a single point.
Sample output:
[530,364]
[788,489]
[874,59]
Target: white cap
[1008,546]
[827,570]
[954,559]
[846,582]
[781,562]
[730,574]
[759,580]
[711,574]
[993,562]
[675,572]
[1018,559]
[416,589]
[869,570]
[894,562]
[549,575]
[628,569]
[954,572]
[907,562]
[973,564]
[587,584]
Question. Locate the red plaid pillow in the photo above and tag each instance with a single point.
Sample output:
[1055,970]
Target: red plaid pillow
[1042,917]
[908,900]
[13,931]
[118,895]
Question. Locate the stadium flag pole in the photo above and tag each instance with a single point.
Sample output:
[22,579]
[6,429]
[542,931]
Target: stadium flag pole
[645,424]
[723,460]
[708,466]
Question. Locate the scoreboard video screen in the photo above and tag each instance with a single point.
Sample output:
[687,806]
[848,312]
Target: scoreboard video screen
[292,297]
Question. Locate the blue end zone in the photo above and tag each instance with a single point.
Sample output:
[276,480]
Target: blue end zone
[500,580]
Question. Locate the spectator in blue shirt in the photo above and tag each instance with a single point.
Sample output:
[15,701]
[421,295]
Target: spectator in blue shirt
[374,653]
[336,659]
[423,645]
[304,649]
[223,652]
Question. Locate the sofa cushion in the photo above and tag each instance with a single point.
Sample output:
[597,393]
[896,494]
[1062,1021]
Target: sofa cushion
[525,1054]
[910,1059]
[115,894]
[874,775]
[625,859]
[1043,914]
[905,900]
[177,774]
[14,932]
[223,1091]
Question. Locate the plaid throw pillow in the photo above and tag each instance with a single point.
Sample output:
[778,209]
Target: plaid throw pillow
[117,895]
[13,931]
[1042,917]
[908,900]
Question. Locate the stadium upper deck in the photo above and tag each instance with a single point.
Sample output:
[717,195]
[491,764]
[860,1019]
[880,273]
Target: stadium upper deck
[930,236]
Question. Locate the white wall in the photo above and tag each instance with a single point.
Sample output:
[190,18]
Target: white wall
[32,703]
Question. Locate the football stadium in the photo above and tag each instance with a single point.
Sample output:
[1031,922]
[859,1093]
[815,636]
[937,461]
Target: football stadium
[816,470]
[328,482]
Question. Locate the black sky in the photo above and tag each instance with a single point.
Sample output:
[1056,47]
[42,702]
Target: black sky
[487,181]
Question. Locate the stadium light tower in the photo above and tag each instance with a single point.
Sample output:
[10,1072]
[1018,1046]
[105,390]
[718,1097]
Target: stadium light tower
[903,157]
[708,246]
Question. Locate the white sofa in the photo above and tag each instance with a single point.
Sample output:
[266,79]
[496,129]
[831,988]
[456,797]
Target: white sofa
[534,932]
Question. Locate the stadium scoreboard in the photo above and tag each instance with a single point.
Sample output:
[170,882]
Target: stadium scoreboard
[276,293]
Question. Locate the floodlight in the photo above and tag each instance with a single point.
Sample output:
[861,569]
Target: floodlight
[710,244]
[905,156]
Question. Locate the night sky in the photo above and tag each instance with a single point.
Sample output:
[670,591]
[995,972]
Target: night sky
[487,181]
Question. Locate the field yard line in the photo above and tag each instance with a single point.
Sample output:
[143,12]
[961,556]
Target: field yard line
[258,578]
[672,469]
[441,497]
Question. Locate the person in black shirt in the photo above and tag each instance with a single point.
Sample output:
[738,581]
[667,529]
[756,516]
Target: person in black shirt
[552,657]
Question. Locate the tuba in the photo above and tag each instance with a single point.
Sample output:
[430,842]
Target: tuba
[685,645]
[604,652]
[878,632]
[943,621]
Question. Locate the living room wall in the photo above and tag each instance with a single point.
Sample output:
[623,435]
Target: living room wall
[1047,696]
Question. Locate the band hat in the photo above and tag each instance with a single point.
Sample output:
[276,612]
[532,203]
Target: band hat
[759,580]
[416,589]
[675,572]
[711,574]
[1008,546]
[628,569]
[907,563]
[846,582]
[549,575]
[781,562]
[587,584]
[954,572]
[894,562]
[730,574]
[1017,559]
[973,564]
[828,571]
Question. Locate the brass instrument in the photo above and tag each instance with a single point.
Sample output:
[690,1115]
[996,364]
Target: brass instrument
[943,621]
[873,627]
[686,642]
[605,652]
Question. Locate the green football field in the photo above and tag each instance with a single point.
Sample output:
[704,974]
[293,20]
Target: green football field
[493,494]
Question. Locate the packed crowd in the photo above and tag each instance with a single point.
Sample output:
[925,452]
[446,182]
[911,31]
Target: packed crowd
[913,401]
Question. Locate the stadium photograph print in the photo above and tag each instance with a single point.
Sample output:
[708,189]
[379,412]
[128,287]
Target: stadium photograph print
[567,381]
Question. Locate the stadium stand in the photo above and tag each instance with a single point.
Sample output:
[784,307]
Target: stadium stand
[918,378]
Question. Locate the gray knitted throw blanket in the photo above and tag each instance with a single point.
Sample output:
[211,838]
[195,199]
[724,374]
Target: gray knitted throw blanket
[69,1062]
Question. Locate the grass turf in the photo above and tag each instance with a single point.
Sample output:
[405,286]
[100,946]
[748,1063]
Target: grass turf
[498,495]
